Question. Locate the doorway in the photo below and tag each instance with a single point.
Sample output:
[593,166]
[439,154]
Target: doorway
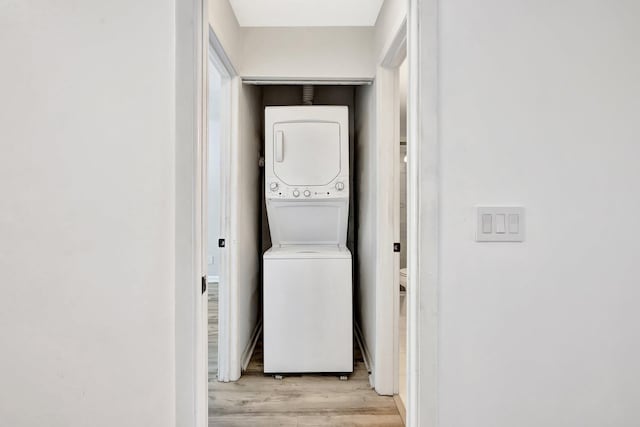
[256,399]
[422,306]
[369,168]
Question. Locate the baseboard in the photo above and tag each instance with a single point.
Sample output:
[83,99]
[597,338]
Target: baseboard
[401,409]
[251,346]
[366,355]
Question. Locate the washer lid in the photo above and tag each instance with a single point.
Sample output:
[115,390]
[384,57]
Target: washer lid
[308,252]
[308,222]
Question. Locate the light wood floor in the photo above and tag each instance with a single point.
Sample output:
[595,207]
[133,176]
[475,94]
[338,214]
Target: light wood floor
[303,400]
[212,330]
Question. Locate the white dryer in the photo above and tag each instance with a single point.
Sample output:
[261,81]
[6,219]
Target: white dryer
[307,273]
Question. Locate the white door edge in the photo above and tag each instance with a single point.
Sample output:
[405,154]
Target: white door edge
[423,189]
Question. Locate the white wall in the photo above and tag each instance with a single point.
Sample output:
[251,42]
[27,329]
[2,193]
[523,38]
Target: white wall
[308,53]
[375,301]
[243,243]
[223,21]
[245,217]
[365,293]
[540,107]
[87,178]
[293,52]
[376,149]
[390,19]
[377,139]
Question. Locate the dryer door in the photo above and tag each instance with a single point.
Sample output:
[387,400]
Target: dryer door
[306,152]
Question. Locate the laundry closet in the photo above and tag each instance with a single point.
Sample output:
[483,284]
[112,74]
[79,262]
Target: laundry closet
[305,132]
[312,74]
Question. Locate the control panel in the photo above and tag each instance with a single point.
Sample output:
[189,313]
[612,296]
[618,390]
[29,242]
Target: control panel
[337,189]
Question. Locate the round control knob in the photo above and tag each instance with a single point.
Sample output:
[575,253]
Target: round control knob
[273,186]
[339,186]
[307,193]
[296,193]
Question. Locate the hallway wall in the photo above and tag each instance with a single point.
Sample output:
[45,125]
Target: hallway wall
[294,52]
[365,265]
[390,18]
[223,21]
[244,247]
[308,53]
[87,136]
[540,107]
[246,134]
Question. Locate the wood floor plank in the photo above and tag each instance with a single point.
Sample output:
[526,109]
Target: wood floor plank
[255,421]
[306,421]
[212,329]
[258,400]
[351,421]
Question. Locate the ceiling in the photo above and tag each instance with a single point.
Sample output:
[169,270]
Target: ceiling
[306,13]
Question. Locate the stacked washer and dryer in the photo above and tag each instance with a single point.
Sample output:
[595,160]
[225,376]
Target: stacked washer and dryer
[307,272]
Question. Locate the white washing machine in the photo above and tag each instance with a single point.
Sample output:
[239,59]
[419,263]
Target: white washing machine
[307,310]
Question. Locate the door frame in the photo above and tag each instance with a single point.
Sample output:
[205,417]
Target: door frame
[218,59]
[417,40]
[423,189]
[423,210]
[387,108]
[388,79]
[189,342]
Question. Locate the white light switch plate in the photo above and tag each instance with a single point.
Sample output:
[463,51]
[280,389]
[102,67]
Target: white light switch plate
[500,224]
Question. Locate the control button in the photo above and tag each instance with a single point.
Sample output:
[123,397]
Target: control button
[339,186]
[296,193]
[307,193]
[273,186]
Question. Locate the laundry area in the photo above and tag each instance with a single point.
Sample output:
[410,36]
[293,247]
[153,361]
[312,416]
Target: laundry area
[308,218]
[307,271]
[304,276]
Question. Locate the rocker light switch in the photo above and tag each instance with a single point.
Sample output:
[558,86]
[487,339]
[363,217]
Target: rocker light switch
[487,223]
[500,224]
[514,223]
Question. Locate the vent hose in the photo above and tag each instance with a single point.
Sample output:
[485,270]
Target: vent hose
[307,94]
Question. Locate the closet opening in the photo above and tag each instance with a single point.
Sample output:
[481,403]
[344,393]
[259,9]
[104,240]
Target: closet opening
[329,398]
